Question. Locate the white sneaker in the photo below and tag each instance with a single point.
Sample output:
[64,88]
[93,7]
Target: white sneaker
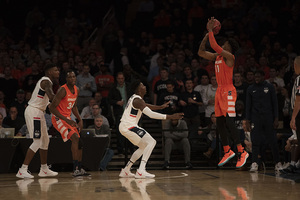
[23,173]
[254,167]
[143,174]
[47,173]
[278,166]
[125,173]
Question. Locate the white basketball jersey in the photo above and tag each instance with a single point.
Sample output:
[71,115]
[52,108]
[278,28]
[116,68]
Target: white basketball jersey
[39,99]
[131,115]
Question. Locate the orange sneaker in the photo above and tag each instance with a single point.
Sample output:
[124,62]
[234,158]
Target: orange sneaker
[227,156]
[242,158]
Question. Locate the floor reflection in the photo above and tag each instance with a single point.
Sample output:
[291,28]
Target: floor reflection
[137,188]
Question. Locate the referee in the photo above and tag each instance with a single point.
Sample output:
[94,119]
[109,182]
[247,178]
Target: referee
[295,101]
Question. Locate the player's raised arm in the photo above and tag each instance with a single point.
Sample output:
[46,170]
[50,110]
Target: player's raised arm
[214,45]
[206,54]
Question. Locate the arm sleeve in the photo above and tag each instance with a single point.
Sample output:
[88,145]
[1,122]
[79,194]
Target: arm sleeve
[153,115]
[213,43]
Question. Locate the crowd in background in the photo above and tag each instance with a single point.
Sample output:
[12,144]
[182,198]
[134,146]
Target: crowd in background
[158,46]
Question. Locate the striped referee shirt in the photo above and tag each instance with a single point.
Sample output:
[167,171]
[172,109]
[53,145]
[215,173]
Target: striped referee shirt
[296,91]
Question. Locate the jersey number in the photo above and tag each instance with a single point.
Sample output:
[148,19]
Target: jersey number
[70,105]
[217,68]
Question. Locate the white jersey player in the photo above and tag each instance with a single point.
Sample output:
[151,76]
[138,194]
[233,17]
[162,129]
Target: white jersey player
[138,136]
[36,123]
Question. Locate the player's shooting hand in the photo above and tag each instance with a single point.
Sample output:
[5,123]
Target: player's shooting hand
[211,24]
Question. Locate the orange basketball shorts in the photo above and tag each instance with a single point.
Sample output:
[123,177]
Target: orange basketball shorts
[225,101]
[65,129]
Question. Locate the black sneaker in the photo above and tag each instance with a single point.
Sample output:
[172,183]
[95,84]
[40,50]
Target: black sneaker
[188,165]
[84,173]
[166,165]
[76,173]
[289,170]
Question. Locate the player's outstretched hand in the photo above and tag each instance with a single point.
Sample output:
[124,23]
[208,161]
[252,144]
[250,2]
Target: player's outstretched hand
[177,116]
[165,105]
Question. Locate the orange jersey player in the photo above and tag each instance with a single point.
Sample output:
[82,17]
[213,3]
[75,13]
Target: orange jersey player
[226,93]
[63,104]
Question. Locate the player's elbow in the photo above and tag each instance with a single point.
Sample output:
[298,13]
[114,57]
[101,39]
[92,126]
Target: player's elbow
[201,53]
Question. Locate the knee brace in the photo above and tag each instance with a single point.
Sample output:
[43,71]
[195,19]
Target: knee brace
[36,144]
[80,143]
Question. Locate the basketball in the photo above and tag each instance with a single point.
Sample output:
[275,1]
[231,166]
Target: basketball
[217,27]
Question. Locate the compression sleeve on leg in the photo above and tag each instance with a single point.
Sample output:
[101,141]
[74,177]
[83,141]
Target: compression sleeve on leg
[213,43]
[153,115]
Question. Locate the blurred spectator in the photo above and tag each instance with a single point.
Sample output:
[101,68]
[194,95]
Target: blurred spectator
[274,78]
[31,79]
[209,100]
[8,85]
[118,97]
[87,111]
[249,77]
[211,136]
[159,84]
[176,137]
[104,81]
[13,120]
[86,83]
[188,74]
[2,104]
[20,103]
[190,101]
[1,122]
[240,86]
[156,69]
[202,88]
[119,61]
[96,113]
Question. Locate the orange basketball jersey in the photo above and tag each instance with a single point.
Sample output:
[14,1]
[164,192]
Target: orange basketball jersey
[224,73]
[66,104]
[226,93]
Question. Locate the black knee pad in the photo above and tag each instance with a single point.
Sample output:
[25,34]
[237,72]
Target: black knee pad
[80,144]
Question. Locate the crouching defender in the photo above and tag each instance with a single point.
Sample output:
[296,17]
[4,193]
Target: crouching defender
[137,135]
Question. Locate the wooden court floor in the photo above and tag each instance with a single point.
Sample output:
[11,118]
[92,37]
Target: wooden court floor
[226,184]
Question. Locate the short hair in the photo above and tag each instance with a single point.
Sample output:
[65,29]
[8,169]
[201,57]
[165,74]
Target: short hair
[135,85]
[49,66]
[98,117]
[234,45]
[69,71]
[261,72]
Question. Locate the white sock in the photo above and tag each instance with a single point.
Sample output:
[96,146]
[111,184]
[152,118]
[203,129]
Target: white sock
[44,166]
[129,165]
[142,165]
[24,167]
